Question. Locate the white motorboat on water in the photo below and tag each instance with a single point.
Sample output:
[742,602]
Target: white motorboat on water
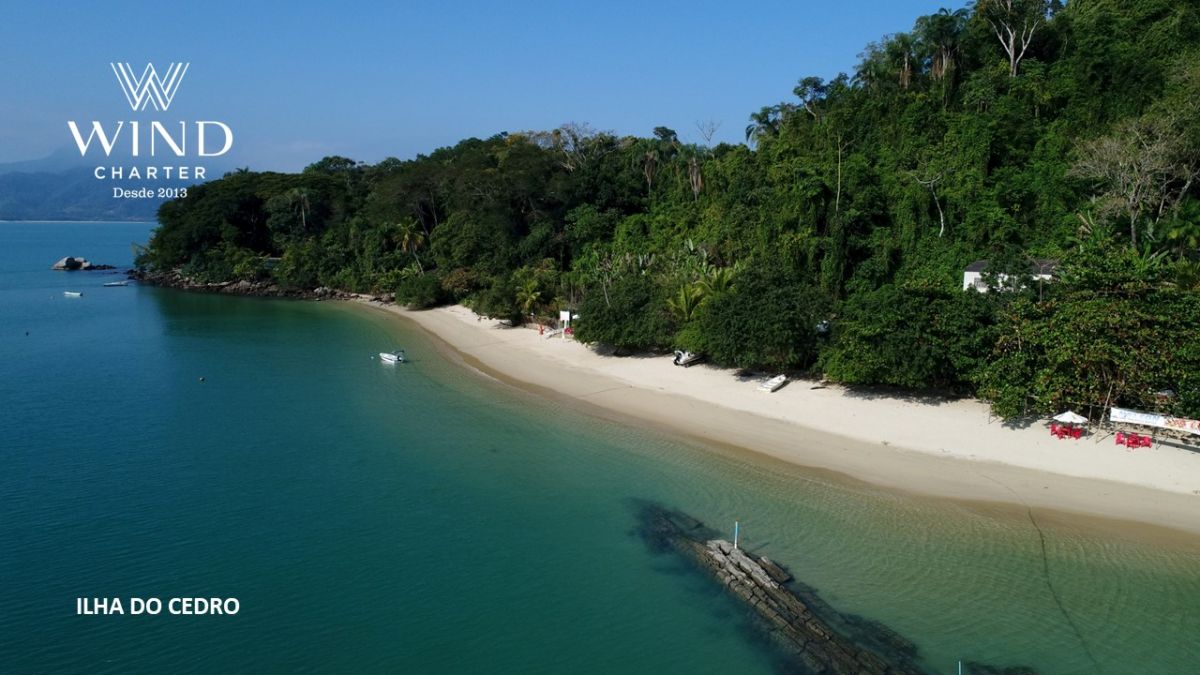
[72,294]
[393,357]
[773,384]
[116,283]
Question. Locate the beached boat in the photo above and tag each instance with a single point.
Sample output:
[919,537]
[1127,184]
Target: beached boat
[392,357]
[773,384]
[116,283]
[73,294]
[687,359]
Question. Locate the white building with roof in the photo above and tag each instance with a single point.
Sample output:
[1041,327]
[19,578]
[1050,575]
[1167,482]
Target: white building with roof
[1041,269]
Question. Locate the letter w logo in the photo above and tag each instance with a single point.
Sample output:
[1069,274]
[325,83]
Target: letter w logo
[149,89]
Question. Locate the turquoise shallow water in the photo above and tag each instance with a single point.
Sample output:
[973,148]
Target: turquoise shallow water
[424,519]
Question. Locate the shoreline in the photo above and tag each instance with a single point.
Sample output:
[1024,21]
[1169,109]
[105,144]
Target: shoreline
[941,449]
[82,222]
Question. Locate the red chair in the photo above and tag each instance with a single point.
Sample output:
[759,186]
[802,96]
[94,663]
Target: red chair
[1120,438]
[1077,433]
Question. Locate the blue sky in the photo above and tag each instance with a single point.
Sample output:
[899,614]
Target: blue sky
[300,80]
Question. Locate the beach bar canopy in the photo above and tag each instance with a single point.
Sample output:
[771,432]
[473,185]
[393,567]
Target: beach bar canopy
[1070,417]
[1180,424]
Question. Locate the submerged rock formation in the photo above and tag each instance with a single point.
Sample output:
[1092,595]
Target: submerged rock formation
[812,644]
[813,636]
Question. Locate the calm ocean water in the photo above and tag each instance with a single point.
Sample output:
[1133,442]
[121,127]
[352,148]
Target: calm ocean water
[423,519]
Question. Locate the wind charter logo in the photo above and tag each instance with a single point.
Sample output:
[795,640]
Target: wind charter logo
[183,141]
[149,89]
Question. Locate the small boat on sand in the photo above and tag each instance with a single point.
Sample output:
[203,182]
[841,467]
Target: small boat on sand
[111,284]
[687,359]
[773,384]
[393,357]
[72,294]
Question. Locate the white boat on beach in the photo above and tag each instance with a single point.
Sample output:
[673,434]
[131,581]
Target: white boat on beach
[687,359]
[392,357]
[773,384]
[111,284]
[72,294]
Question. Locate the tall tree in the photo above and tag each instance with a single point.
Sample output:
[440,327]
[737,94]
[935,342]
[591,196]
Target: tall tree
[811,91]
[939,35]
[763,124]
[901,49]
[1144,168]
[1014,22]
[411,238]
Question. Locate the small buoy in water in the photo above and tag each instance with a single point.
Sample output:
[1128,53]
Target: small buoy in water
[201,379]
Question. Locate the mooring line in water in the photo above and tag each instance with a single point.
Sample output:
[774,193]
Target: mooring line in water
[1054,593]
[1046,574]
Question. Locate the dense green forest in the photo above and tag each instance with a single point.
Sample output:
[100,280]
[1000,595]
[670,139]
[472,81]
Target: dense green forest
[834,240]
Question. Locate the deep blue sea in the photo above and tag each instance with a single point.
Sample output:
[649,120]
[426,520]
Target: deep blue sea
[425,519]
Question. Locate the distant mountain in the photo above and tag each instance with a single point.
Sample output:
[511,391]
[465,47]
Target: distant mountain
[69,195]
[62,159]
[62,187]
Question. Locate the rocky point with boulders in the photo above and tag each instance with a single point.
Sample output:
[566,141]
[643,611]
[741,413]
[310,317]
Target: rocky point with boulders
[265,289]
[76,264]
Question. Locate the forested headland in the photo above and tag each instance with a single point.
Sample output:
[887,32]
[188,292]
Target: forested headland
[834,240]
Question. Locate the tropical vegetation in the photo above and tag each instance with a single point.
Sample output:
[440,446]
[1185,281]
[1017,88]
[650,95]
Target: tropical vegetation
[833,240]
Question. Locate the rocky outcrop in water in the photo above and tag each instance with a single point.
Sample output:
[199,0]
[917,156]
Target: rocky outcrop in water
[814,637]
[266,289]
[73,264]
[758,582]
[810,642]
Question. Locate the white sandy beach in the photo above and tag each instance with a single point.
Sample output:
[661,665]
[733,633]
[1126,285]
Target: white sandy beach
[939,448]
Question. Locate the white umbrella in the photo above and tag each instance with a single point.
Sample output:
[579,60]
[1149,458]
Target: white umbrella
[1070,417]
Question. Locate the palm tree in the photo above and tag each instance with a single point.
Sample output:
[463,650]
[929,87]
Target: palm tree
[685,302]
[716,281]
[901,52]
[528,296]
[411,238]
[763,124]
[871,71]
[940,35]
[298,197]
